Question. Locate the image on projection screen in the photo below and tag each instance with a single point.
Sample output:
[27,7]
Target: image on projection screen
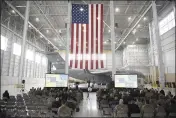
[126,81]
[56,80]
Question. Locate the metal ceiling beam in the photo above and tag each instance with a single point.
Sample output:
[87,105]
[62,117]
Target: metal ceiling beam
[58,36]
[65,5]
[131,22]
[127,8]
[10,5]
[33,15]
[135,25]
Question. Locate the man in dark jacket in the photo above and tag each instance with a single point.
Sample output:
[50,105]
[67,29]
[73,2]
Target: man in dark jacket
[56,104]
[6,95]
[172,108]
[2,113]
[133,108]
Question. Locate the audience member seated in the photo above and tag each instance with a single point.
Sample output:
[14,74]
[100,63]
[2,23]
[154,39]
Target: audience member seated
[162,93]
[2,113]
[153,102]
[121,108]
[6,95]
[172,108]
[133,108]
[160,109]
[64,110]
[147,108]
[162,100]
[50,100]
[169,95]
[56,103]
[140,102]
[148,94]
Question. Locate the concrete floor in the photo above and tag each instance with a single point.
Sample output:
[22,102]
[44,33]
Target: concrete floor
[88,107]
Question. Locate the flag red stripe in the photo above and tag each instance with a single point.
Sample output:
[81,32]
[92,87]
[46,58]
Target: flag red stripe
[87,44]
[77,35]
[97,35]
[82,44]
[72,40]
[92,44]
[101,35]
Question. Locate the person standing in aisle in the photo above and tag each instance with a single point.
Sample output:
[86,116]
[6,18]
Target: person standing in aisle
[89,90]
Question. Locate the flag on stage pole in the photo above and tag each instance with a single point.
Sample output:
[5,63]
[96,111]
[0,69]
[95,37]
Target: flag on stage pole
[87,36]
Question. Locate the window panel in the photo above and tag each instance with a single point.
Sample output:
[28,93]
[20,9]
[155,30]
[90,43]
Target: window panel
[167,23]
[38,58]
[16,49]
[161,23]
[44,61]
[3,43]
[29,55]
[170,25]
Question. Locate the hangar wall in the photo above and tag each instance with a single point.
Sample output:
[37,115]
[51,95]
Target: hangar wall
[34,68]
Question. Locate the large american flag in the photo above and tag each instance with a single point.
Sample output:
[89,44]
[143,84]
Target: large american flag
[87,36]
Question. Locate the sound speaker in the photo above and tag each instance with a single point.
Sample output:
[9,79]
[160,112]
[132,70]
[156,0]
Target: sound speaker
[23,81]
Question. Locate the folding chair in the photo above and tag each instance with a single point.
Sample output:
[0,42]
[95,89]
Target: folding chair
[135,115]
[172,115]
[10,114]
[122,116]
[148,115]
[160,115]
[107,111]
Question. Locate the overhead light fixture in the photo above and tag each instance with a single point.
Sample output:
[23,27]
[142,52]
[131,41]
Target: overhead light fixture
[13,11]
[47,31]
[109,30]
[134,31]
[145,19]
[37,19]
[81,9]
[117,9]
[138,25]
[129,18]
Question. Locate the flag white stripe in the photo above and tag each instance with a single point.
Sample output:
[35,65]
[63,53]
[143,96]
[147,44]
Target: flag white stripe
[74,46]
[79,45]
[84,46]
[94,35]
[99,23]
[89,49]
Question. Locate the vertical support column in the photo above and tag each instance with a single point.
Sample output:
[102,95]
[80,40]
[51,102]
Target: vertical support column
[24,41]
[112,39]
[152,54]
[159,49]
[68,39]
[173,3]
